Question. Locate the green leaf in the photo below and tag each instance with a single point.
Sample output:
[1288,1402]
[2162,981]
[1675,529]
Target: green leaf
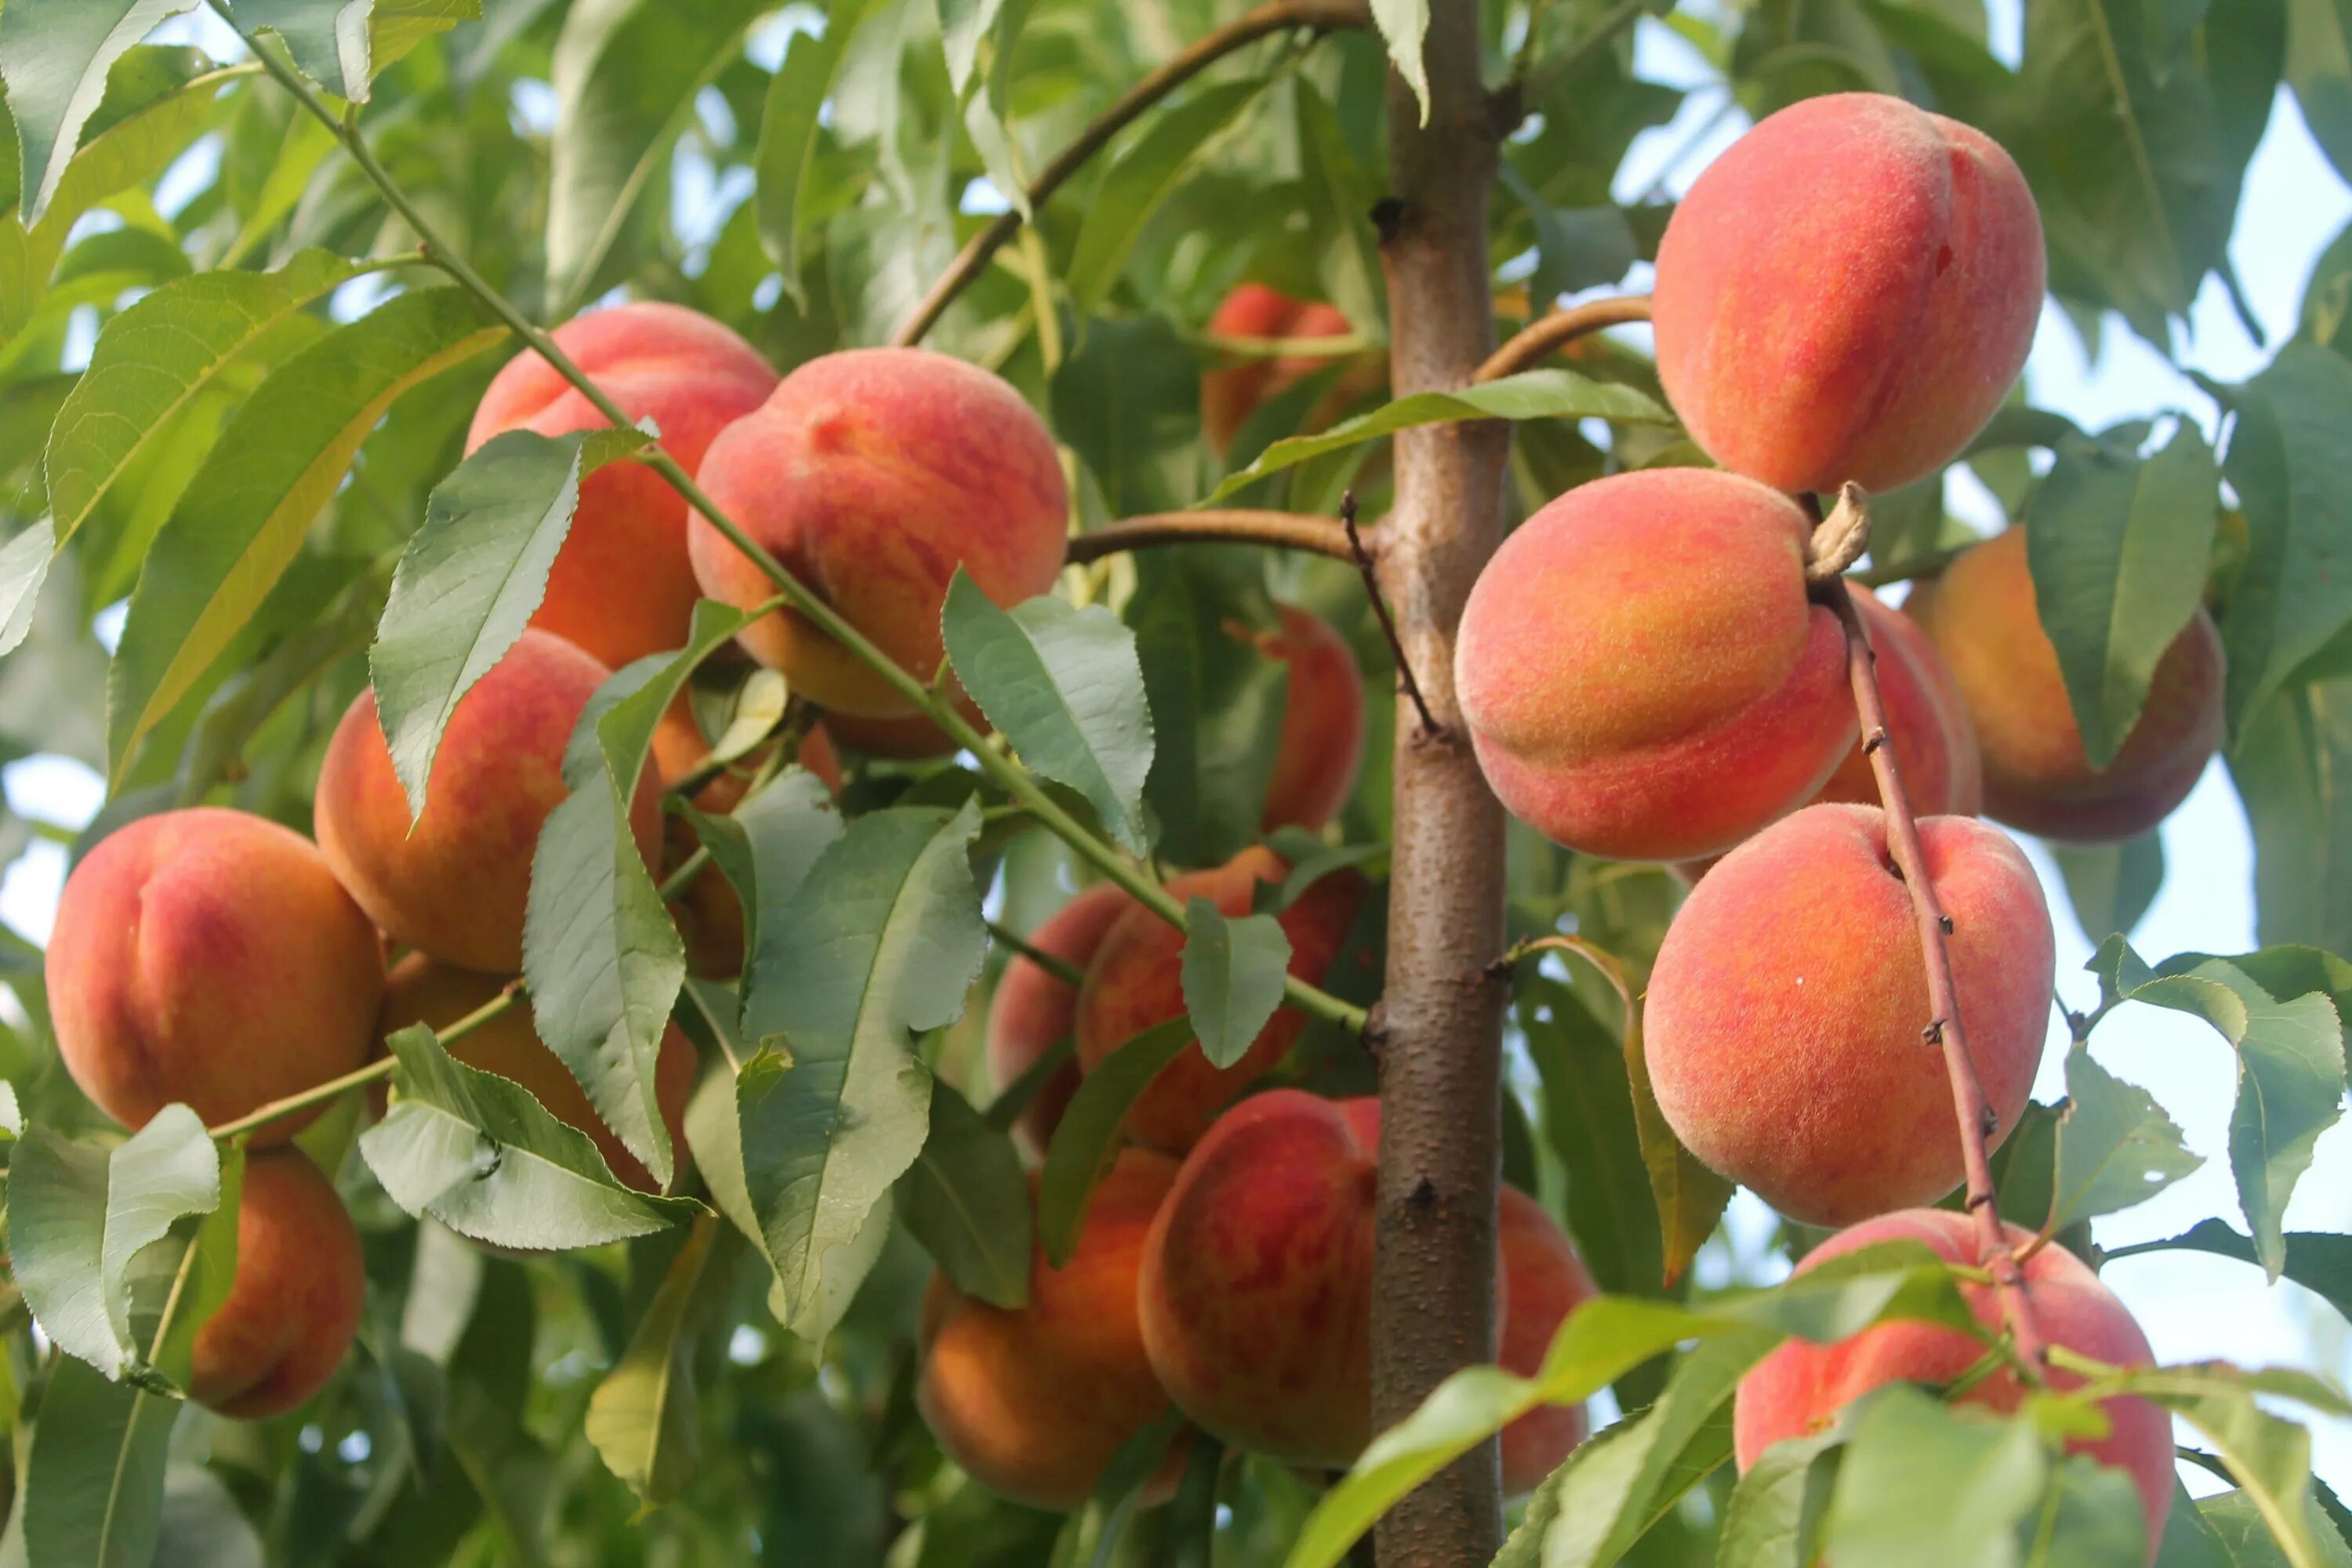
[2117,1147]
[2319,1261]
[243,518]
[152,360]
[2319,68]
[1127,401]
[1233,972]
[78,1215]
[1932,1485]
[93,1493]
[2289,766]
[54,59]
[1064,686]
[882,942]
[1576,248]
[966,1199]
[1404,25]
[625,74]
[1780,1511]
[2291,597]
[2242,1538]
[477,1153]
[1141,177]
[2118,547]
[767,844]
[2111,886]
[470,580]
[2268,1456]
[1530,395]
[202,1525]
[788,136]
[963,24]
[1587,1120]
[343,45]
[645,1418]
[1086,1139]
[24,567]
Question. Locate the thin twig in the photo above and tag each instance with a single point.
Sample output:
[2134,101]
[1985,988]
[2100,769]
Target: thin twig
[1276,17]
[1281,529]
[1061,969]
[1542,338]
[1431,730]
[318,1094]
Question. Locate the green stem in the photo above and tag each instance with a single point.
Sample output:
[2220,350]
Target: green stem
[688,871]
[1014,780]
[359,1077]
[1061,969]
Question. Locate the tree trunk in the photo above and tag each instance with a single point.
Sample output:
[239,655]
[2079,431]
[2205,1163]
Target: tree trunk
[1439,1040]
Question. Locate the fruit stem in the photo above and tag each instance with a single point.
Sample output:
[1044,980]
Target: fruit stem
[1275,16]
[1281,529]
[1546,335]
[801,600]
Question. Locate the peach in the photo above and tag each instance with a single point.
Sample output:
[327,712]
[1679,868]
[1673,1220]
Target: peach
[209,957]
[1847,294]
[294,1305]
[872,474]
[1137,981]
[423,991]
[1232,393]
[1927,722]
[1033,1403]
[1800,1387]
[622,587]
[456,884]
[1982,615]
[1785,1015]
[1257,1289]
[1033,1010]
[1322,741]
[1642,674]
[909,737]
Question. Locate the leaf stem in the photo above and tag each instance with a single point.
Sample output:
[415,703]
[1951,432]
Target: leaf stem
[1061,969]
[1541,339]
[318,1094]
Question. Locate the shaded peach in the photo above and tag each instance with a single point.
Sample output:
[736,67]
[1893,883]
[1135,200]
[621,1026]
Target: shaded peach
[1545,1280]
[622,587]
[457,884]
[1800,1387]
[1642,676]
[1033,1403]
[1785,1015]
[1847,294]
[909,737]
[872,474]
[423,991]
[1033,1010]
[294,1305]
[209,957]
[1982,615]
[1927,722]
[1233,391]
[1137,981]
[1322,742]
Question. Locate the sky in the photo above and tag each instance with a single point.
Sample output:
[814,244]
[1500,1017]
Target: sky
[2194,1306]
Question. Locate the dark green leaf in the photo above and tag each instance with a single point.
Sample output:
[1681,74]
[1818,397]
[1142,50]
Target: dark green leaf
[1233,974]
[2320,1261]
[1588,1118]
[1128,403]
[645,1418]
[2319,68]
[767,844]
[1086,1140]
[967,1200]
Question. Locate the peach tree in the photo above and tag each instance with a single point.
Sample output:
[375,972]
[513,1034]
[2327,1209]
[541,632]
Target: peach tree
[1024,781]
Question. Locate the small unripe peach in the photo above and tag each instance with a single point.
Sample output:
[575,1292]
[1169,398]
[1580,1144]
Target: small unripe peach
[209,957]
[1982,616]
[1322,742]
[1847,294]
[1033,1010]
[1642,673]
[294,1305]
[1785,1017]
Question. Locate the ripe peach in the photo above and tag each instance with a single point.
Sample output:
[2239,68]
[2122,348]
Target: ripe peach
[1982,615]
[423,991]
[1800,1387]
[209,957]
[294,1305]
[1257,1290]
[1322,742]
[1785,1012]
[872,474]
[1927,722]
[1232,393]
[1034,1402]
[1847,294]
[456,884]
[1136,980]
[1642,676]
[621,587]
[909,738]
[1032,1009]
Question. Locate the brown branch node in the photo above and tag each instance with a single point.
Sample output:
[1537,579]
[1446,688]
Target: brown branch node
[1431,730]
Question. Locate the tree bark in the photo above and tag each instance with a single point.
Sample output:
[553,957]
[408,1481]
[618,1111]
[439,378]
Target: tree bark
[1439,1036]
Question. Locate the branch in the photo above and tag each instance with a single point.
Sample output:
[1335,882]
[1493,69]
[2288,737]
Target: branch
[1431,730]
[1275,16]
[1541,339]
[1280,529]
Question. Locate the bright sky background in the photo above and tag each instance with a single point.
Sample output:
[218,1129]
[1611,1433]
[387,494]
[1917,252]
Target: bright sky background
[2194,1306]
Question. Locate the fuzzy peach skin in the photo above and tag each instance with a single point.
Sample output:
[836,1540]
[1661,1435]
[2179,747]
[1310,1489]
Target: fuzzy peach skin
[1136,980]
[1642,674]
[872,474]
[1257,1290]
[1033,1403]
[1784,1016]
[622,587]
[1847,294]
[1927,721]
[1033,1010]
[1982,615]
[1232,393]
[209,957]
[457,886]
[1800,1387]
[294,1305]
[423,991]
[1322,743]
[909,737]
